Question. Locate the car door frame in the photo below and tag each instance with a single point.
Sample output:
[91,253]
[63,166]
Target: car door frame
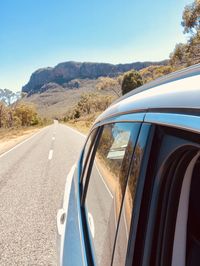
[124,118]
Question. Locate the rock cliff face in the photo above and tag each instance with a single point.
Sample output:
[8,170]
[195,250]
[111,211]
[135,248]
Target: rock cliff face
[65,72]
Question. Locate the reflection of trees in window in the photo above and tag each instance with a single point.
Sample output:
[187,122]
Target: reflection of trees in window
[132,182]
[114,153]
[125,166]
[126,214]
[106,142]
[105,146]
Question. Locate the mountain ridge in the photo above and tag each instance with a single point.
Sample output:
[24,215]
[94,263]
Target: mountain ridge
[66,71]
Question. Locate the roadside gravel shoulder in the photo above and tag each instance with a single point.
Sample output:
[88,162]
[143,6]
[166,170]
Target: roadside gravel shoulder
[9,141]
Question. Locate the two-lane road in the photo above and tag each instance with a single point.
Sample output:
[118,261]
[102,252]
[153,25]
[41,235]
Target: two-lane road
[32,181]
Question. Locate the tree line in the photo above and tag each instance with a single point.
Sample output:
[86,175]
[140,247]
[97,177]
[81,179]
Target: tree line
[18,114]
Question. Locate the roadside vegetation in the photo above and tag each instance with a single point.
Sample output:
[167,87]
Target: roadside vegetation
[17,118]
[187,54]
[84,113]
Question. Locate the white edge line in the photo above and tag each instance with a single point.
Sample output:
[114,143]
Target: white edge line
[126,229]
[19,144]
[75,131]
[115,213]
[104,181]
[50,154]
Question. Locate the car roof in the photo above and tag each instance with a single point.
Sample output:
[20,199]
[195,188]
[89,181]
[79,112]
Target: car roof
[176,92]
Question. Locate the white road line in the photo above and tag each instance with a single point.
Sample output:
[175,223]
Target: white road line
[91,224]
[53,138]
[76,131]
[125,222]
[115,213]
[19,144]
[104,182]
[50,154]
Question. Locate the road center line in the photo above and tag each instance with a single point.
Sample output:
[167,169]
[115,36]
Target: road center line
[50,154]
[53,138]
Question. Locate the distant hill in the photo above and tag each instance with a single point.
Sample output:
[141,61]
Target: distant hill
[63,73]
[55,101]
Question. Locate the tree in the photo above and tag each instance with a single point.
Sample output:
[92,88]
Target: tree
[131,81]
[180,55]
[8,96]
[189,53]
[2,113]
[191,17]
[153,72]
[107,83]
[27,114]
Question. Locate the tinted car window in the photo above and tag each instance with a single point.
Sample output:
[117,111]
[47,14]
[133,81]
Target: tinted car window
[127,209]
[107,185]
[87,153]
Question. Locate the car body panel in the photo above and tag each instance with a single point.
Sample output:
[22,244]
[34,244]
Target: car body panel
[180,94]
[182,121]
[72,251]
[73,248]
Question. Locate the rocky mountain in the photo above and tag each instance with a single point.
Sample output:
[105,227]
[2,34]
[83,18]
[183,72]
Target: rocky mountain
[54,101]
[64,73]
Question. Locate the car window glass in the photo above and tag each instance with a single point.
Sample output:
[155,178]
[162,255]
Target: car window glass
[127,208]
[107,185]
[87,153]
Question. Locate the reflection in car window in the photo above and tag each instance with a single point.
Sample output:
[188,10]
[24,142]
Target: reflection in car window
[86,154]
[127,208]
[107,185]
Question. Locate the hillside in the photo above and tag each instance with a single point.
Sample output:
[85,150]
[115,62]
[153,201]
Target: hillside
[63,73]
[55,101]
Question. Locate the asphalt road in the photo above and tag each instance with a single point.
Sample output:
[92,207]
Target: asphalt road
[32,181]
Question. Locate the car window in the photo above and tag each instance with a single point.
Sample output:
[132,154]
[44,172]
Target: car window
[107,185]
[87,153]
[127,208]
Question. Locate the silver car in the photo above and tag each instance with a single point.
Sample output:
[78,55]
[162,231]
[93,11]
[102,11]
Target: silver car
[133,198]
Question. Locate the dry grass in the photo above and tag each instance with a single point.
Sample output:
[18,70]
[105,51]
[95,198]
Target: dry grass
[83,124]
[10,137]
[10,133]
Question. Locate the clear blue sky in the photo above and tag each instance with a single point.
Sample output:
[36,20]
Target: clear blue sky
[40,33]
